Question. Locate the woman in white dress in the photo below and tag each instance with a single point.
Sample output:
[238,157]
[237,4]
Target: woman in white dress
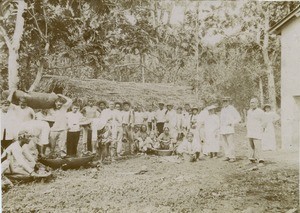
[268,138]
[211,128]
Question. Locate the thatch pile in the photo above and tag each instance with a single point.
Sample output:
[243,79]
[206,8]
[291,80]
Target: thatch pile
[137,93]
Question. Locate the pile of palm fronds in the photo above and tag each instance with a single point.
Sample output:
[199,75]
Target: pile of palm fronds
[137,93]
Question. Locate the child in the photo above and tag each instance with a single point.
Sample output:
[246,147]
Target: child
[211,129]
[142,136]
[73,120]
[105,144]
[189,148]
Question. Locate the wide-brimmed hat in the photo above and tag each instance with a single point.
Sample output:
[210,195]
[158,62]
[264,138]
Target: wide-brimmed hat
[194,107]
[126,103]
[267,105]
[102,102]
[161,102]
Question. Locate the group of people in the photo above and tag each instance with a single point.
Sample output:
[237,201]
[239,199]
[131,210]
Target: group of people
[112,129]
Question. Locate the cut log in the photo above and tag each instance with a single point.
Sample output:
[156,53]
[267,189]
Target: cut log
[35,100]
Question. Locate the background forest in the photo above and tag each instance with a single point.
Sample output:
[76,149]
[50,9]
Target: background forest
[217,47]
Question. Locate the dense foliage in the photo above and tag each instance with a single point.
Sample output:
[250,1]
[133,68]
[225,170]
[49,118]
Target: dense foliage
[217,47]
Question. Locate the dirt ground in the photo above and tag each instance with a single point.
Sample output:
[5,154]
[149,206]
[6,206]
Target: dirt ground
[209,185]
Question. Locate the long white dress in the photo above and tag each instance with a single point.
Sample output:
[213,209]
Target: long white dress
[212,138]
[268,138]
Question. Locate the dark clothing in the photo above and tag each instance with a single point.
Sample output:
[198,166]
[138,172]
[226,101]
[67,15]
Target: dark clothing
[89,141]
[160,127]
[72,143]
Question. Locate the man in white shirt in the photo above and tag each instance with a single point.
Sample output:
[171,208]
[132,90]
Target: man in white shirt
[117,131]
[39,129]
[74,118]
[160,118]
[229,117]
[186,117]
[58,132]
[255,126]
[8,121]
[90,112]
[171,120]
[19,157]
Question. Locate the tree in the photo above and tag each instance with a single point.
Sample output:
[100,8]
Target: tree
[12,42]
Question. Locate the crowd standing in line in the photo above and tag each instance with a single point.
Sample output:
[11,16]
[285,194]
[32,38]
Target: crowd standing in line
[113,129]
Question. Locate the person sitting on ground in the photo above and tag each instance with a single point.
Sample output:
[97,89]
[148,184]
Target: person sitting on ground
[142,136]
[190,148]
[149,143]
[19,157]
[73,120]
[166,141]
[58,132]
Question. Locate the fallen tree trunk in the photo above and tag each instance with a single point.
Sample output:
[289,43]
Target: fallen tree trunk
[35,100]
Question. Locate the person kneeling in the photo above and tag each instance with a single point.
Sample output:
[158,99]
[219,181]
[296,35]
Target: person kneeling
[189,149]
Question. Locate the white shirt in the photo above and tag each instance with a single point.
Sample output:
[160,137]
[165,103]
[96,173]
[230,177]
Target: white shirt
[16,157]
[160,115]
[9,122]
[25,114]
[171,118]
[150,116]
[228,118]
[189,147]
[127,117]
[139,117]
[60,118]
[74,121]
[186,119]
[202,117]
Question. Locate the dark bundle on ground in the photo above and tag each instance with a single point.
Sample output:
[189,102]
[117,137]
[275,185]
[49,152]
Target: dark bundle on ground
[137,93]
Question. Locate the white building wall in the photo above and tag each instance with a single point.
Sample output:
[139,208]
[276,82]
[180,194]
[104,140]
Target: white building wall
[290,84]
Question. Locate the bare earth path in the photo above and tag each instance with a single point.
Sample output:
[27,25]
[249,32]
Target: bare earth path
[209,185]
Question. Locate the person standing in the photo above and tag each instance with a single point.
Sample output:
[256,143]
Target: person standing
[8,122]
[171,120]
[38,128]
[255,126]
[229,117]
[186,117]
[127,124]
[211,129]
[179,123]
[160,117]
[117,130]
[90,112]
[74,117]
[58,132]
[268,139]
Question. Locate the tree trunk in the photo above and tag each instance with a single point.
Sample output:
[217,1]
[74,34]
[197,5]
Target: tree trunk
[268,63]
[142,63]
[13,48]
[261,91]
